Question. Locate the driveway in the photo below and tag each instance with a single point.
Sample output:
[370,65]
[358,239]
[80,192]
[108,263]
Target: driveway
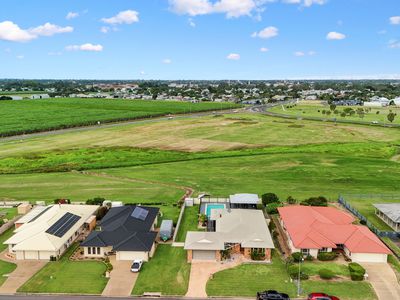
[383,280]
[201,272]
[24,271]
[121,281]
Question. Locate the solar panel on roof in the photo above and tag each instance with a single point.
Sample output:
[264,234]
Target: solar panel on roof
[64,224]
[140,213]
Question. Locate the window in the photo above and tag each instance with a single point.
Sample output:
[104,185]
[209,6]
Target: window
[89,249]
[305,251]
[322,250]
[260,251]
[98,250]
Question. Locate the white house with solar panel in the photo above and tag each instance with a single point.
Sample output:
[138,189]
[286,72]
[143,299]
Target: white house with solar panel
[46,233]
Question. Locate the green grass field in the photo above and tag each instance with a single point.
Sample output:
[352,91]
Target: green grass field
[65,276]
[189,222]
[6,268]
[167,272]
[8,213]
[307,110]
[253,278]
[50,114]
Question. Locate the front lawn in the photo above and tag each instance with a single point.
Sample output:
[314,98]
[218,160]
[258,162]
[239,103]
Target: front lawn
[65,276]
[312,268]
[252,278]
[248,279]
[5,268]
[189,222]
[167,272]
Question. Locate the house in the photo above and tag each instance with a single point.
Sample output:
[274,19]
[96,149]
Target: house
[47,232]
[39,96]
[312,230]
[238,231]
[390,214]
[126,231]
[244,200]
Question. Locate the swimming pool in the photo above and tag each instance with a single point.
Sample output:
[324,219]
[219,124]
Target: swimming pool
[211,206]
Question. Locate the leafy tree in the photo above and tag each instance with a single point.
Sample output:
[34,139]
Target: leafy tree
[391,116]
[291,200]
[315,201]
[332,107]
[101,212]
[95,201]
[269,198]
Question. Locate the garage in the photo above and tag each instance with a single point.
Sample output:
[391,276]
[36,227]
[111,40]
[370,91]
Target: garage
[204,255]
[31,254]
[132,255]
[369,257]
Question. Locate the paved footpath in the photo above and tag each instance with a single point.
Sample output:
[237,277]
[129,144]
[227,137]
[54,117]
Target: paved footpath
[383,280]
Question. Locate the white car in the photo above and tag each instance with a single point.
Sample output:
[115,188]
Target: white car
[136,265]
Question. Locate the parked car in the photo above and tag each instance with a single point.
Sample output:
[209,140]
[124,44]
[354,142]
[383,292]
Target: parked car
[136,265]
[321,296]
[272,295]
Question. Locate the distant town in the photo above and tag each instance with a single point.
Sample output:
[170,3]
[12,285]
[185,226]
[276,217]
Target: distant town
[378,93]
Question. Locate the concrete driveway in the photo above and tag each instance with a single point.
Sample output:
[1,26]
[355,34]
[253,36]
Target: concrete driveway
[121,281]
[200,273]
[383,280]
[24,271]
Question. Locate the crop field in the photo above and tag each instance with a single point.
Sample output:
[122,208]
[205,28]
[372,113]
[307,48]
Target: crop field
[18,117]
[371,114]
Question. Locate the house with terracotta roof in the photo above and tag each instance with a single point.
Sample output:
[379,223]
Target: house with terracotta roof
[312,230]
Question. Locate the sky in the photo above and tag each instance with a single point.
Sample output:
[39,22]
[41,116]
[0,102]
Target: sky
[200,39]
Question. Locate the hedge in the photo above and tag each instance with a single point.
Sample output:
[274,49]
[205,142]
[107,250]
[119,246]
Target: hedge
[357,272]
[326,256]
[326,274]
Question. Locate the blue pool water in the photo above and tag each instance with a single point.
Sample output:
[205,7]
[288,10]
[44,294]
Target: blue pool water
[213,206]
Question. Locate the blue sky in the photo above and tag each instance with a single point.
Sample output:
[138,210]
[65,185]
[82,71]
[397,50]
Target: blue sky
[199,39]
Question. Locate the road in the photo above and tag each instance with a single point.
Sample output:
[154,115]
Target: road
[61,297]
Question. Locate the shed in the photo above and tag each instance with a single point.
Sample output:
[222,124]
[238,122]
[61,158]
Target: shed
[24,208]
[166,229]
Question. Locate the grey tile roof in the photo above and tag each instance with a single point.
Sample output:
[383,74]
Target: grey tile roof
[391,210]
[123,232]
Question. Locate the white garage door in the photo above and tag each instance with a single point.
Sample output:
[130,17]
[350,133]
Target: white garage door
[203,255]
[31,255]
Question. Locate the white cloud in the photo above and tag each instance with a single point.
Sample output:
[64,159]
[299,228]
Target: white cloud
[312,53]
[85,47]
[49,29]
[302,53]
[395,20]
[167,61]
[231,8]
[123,17]
[13,33]
[335,36]
[233,56]
[20,57]
[394,44]
[72,15]
[308,3]
[191,22]
[105,29]
[142,73]
[299,53]
[266,33]
[264,49]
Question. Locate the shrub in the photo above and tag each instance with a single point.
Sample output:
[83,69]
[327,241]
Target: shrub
[95,201]
[315,201]
[357,272]
[297,256]
[326,256]
[326,274]
[309,258]
[291,200]
[256,255]
[269,198]
[272,208]
[293,271]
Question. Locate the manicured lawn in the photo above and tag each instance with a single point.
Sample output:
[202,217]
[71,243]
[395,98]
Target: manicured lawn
[167,272]
[252,278]
[316,111]
[65,276]
[17,117]
[312,268]
[248,279]
[5,268]
[189,222]
[5,236]
[9,213]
